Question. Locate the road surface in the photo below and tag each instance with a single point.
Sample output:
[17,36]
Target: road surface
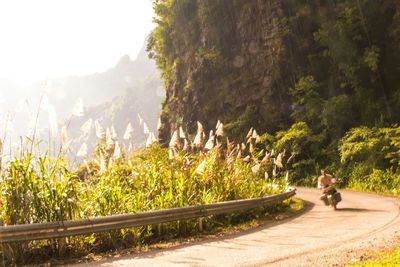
[319,236]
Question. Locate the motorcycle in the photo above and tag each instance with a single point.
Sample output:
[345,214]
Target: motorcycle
[331,196]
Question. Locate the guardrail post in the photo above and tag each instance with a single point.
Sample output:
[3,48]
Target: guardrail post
[159,229]
[201,224]
[62,245]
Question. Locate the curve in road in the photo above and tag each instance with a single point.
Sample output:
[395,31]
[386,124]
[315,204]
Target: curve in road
[319,237]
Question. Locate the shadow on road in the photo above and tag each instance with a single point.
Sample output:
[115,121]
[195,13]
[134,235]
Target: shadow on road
[358,210]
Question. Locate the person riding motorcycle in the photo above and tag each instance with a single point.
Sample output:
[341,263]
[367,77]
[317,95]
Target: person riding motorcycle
[325,181]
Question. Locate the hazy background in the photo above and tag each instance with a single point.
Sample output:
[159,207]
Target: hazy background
[70,50]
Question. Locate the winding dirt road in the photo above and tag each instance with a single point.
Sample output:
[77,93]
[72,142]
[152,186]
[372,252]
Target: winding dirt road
[318,237]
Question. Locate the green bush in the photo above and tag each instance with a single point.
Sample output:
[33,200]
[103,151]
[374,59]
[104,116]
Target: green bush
[383,181]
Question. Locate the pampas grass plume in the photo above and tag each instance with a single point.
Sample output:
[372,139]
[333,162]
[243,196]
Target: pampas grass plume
[174,142]
[99,129]
[128,132]
[82,152]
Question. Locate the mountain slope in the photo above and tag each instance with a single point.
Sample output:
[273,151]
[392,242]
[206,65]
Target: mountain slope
[142,95]
[113,98]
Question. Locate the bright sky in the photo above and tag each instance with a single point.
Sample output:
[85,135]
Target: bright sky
[44,39]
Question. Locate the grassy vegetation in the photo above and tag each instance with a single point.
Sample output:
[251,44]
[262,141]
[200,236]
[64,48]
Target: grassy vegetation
[37,188]
[388,258]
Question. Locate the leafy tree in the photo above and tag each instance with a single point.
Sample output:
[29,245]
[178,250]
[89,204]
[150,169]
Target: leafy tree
[303,145]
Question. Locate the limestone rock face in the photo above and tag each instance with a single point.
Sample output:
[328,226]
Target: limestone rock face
[240,72]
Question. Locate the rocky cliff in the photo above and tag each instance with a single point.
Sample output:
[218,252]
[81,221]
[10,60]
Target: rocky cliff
[270,63]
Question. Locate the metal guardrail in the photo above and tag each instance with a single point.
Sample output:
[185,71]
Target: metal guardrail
[60,229]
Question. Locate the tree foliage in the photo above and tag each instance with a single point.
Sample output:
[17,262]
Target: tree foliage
[334,69]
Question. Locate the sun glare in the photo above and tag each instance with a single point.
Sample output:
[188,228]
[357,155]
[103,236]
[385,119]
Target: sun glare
[46,39]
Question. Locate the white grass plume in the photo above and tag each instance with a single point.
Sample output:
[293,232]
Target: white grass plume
[218,123]
[145,128]
[174,142]
[278,161]
[86,127]
[171,153]
[210,142]
[113,132]
[128,132]
[198,140]
[83,150]
[150,139]
[200,169]
[186,145]
[181,133]
[99,129]
[220,129]
[266,157]
[103,167]
[109,139]
[117,151]
[243,147]
[250,133]
[256,137]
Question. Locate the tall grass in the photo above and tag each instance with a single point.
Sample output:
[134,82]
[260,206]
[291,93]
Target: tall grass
[38,188]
